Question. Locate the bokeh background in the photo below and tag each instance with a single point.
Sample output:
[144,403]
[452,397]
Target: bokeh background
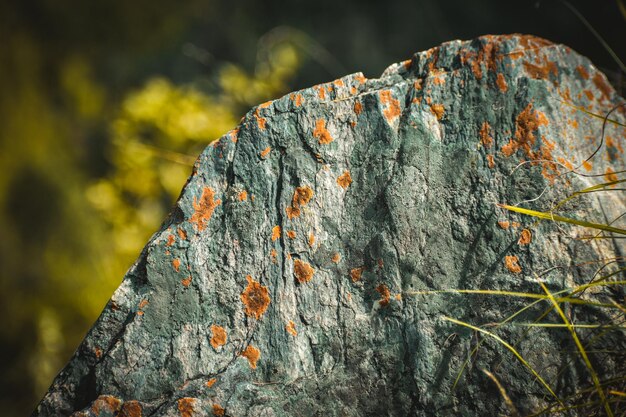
[104,105]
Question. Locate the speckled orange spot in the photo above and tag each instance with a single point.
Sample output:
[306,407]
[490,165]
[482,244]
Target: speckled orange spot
[602,85]
[526,124]
[98,352]
[301,197]
[302,271]
[417,84]
[273,254]
[438,110]
[170,240]
[439,80]
[265,152]
[211,382]
[218,410]
[360,78]
[321,92]
[485,137]
[338,83]
[589,94]
[501,83]
[204,208]
[398,297]
[298,100]
[186,281]
[344,180]
[321,133]
[588,166]
[385,294]
[392,106]
[186,406]
[525,237]
[131,408]
[355,273]
[252,354]
[358,107]
[610,175]
[291,328]
[541,71]
[218,336]
[291,234]
[311,239]
[182,234]
[243,196]
[106,403]
[176,264]
[504,224]
[255,298]
[490,162]
[582,71]
[275,233]
[511,263]
[336,258]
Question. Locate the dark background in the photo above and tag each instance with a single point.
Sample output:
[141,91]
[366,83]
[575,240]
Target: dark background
[77,202]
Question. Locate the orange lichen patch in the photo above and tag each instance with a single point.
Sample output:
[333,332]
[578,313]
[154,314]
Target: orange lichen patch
[526,123]
[255,298]
[266,104]
[301,197]
[610,175]
[321,133]
[490,162]
[291,328]
[275,233]
[504,224]
[358,107]
[398,297]
[487,54]
[252,354]
[291,234]
[565,162]
[143,303]
[385,294]
[588,166]
[302,271]
[261,122]
[336,258]
[321,92]
[311,239]
[511,263]
[170,240]
[204,208]
[186,406]
[176,264]
[211,382]
[298,100]
[380,263]
[219,336]
[360,78]
[417,84]
[338,83]
[589,94]
[438,110]
[265,152]
[98,352]
[573,123]
[186,281]
[131,408]
[344,180]
[515,225]
[406,64]
[525,237]
[355,273]
[218,410]
[582,71]
[485,137]
[106,403]
[182,234]
[392,106]
[501,83]
[273,254]
[602,85]
[541,71]
[439,80]
[243,196]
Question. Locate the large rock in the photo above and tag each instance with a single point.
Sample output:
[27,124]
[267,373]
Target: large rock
[282,282]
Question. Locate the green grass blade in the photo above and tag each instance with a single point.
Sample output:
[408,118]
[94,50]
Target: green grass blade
[555,217]
[510,348]
[581,349]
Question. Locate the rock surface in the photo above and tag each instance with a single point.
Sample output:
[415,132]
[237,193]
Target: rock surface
[281,283]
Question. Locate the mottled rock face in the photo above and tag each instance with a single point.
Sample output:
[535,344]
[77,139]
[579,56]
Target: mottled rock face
[282,282]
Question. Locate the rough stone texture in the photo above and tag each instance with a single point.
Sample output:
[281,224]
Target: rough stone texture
[280,284]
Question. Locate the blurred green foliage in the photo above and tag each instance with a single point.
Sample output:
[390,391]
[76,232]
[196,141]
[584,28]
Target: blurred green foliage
[105,104]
